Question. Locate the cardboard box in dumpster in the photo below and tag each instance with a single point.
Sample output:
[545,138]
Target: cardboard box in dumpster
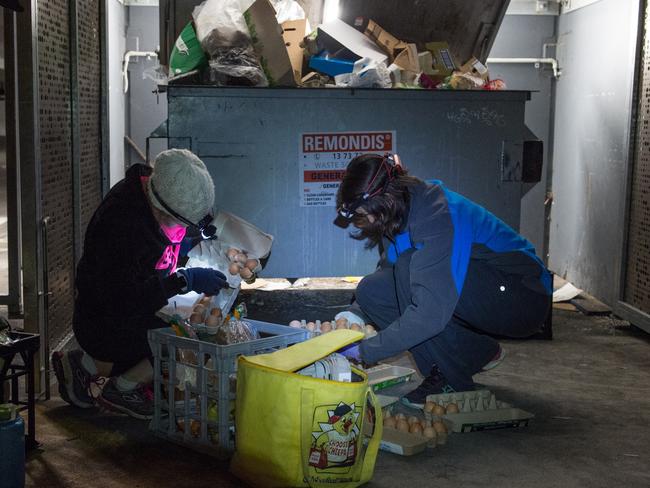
[293,32]
[475,68]
[402,54]
[443,61]
[389,43]
[269,45]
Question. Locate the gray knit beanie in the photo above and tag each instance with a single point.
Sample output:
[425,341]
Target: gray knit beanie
[182,181]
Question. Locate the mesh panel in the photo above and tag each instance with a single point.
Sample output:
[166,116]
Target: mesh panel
[56,159]
[90,107]
[637,283]
[56,150]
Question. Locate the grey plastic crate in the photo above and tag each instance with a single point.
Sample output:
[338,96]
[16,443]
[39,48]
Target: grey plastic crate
[203,375]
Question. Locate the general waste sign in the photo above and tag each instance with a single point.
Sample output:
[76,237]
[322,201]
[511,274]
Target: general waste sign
[325,155]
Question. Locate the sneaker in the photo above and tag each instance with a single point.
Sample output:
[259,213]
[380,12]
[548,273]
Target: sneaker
[496,360]
[137,403]
[74,381]
[433,384]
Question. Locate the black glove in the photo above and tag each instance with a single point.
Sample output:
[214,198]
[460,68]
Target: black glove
[204,280]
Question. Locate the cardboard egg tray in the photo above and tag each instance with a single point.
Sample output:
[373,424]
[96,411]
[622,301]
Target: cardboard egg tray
[479,410]
[406,443]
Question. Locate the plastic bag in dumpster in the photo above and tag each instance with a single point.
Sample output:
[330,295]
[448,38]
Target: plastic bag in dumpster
[187,54]
[221,24]
[287,10]
[366,74]
[236,66]
[224,35]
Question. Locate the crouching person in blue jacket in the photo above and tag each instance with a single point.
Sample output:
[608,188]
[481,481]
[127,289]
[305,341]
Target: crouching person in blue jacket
[450,274]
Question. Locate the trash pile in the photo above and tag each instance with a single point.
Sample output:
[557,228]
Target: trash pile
[263,43]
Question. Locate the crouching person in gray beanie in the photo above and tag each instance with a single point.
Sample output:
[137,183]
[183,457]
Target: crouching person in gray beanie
[128,272]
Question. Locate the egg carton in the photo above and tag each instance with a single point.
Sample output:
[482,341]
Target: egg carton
[407,443]
[182,305]
[478,410]
[368,330]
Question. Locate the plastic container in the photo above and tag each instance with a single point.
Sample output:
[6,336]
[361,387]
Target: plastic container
[195,385]
[12,448]
[384,376]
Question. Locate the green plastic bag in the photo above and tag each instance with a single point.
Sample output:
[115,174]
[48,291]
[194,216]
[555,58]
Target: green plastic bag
[187,54]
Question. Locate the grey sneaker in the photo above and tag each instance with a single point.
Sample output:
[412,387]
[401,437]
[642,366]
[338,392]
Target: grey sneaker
[496,360]
[74,381]
[137,403]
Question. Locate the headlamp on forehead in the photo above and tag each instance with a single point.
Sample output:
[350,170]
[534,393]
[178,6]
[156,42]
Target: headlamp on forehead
[390,162]
[204,225]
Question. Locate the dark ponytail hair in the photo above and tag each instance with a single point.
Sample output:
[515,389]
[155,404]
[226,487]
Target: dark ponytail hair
[388,185]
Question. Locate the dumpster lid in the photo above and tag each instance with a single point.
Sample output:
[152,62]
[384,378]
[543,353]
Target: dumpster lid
[468,26]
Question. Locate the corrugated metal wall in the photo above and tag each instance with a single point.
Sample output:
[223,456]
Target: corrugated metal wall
[637,277]
[56,118]
[593,102]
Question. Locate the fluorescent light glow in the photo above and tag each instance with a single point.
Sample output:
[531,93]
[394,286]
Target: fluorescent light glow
[330,10]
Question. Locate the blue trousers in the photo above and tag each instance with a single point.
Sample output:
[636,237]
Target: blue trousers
[491,302]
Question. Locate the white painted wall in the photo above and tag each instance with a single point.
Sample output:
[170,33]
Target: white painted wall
[116,19]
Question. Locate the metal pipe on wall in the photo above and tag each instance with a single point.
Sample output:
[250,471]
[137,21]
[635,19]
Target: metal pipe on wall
[557,72]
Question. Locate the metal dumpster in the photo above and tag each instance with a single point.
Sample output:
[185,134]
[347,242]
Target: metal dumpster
[269,148]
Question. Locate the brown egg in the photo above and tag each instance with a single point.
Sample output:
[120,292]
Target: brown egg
[232,253]
[325,327]
[311,326]
[216,312]
[355,326]
[199,309]
[439,427]
[452,408]
[439,410]
[370,329]
[196,318]
[205,301]
[246,273]
[342,321]
[413,420]
[416,429]
[252,264]
[429,406]
[295,323]
[241,258]
[390,422]
[403,426]
[429,432]
[213,321]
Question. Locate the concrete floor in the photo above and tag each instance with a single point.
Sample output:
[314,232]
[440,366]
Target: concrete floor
[589,389]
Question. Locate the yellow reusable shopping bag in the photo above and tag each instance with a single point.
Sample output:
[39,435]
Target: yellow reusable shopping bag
[297,431]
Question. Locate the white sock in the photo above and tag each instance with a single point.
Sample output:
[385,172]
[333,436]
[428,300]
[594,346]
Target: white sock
[124,384]
[89,364]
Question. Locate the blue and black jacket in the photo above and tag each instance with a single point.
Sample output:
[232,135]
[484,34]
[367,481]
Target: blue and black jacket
[448,231]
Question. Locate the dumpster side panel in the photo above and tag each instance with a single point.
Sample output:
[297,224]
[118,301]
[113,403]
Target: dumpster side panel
[249,139]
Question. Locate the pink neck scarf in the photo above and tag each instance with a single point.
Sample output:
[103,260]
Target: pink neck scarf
[175,234]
